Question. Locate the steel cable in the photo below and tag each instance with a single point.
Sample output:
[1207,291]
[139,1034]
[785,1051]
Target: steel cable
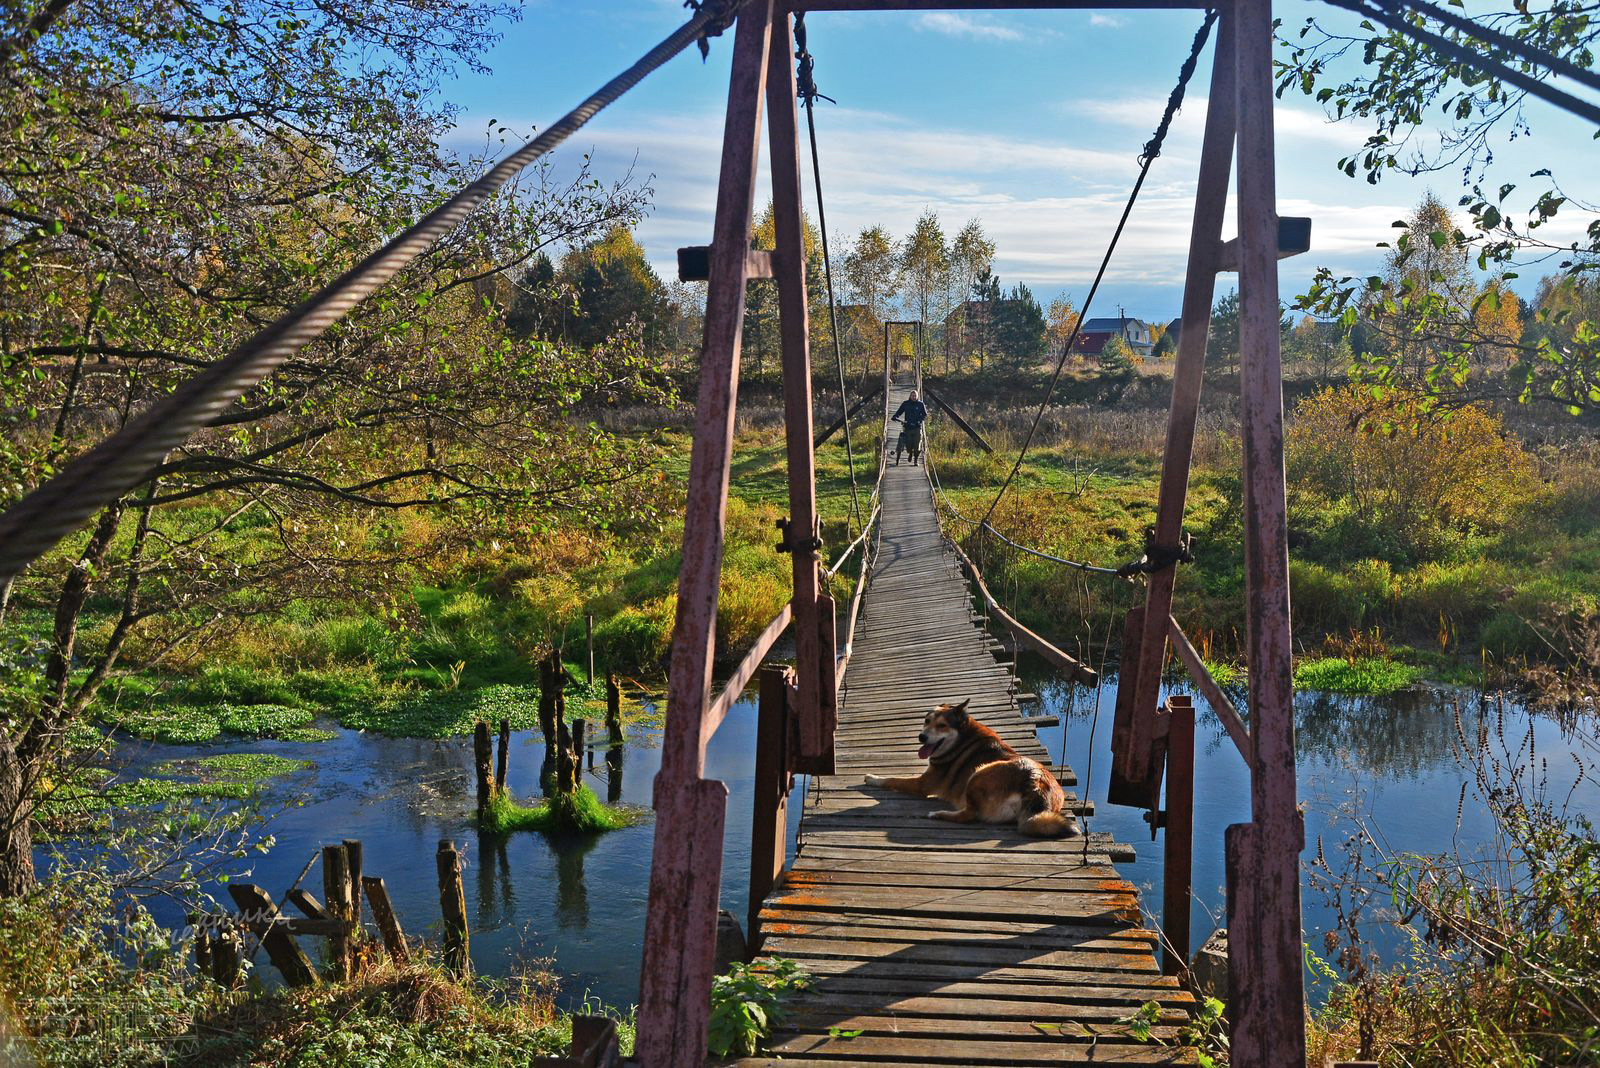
[121,461]
[1152,149]
[808,93]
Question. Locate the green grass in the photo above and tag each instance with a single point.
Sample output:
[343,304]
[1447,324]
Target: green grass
[1363,676]
[579,812]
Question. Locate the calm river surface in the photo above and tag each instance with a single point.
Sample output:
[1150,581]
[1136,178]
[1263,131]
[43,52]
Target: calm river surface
[580,903]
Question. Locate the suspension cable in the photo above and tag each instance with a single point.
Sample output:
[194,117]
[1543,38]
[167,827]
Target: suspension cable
[1152,149]
[123,460]
[809,95]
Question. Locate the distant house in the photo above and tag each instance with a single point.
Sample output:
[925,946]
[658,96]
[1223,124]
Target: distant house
[1095,333]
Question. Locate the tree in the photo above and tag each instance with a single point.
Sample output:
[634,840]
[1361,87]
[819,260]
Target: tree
[1427,110]
[1061,320]
[173,180]
[1117,357]
[971,254]
[761,295]
[1222,340]
[986,293]
[1020,326]
[924,261]
[1166,346]
[871,274]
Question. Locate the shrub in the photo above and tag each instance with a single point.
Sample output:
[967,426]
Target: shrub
[636,638]
[747,1003]
[1422,473]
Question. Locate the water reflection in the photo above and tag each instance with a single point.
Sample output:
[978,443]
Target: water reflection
[1394,761]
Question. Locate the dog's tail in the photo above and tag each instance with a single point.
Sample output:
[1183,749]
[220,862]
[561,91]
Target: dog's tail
[1050,825]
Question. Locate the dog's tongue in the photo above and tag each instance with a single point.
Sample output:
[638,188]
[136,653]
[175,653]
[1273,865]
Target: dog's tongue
[923,752]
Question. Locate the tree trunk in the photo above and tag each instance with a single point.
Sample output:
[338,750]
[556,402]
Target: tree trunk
[16,825]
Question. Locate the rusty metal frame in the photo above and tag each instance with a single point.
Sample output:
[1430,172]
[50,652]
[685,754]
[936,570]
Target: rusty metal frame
[1263,863]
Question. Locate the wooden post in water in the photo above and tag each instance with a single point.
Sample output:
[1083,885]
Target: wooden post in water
[1177,876]
[481,755]
[394,939]
[453,910]
[549,691]
[502,761]
[579,744]
[614,738]
[769,823]
[336,892]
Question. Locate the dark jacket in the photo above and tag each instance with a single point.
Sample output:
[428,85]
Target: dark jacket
[914,411]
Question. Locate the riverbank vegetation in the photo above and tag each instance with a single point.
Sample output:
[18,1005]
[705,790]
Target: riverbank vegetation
[94,981]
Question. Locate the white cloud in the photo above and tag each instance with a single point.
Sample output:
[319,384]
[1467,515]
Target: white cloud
[1109,22]
[967,26]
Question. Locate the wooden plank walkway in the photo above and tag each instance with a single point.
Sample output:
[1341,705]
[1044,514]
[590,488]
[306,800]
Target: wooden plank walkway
[945,943]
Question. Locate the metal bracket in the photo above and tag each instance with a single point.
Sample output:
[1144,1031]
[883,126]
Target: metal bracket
[811,544]
[1294,237]
[694,263]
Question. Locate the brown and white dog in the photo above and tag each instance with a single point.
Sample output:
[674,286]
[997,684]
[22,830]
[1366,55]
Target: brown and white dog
[968,765]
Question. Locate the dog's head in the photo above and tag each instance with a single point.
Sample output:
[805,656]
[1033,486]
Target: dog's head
[941,728]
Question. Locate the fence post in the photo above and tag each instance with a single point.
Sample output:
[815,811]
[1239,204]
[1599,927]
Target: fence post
[394,939]
[1177,864]
[261,914]
[769,823]
[352,853]
[336,894]
[453,909]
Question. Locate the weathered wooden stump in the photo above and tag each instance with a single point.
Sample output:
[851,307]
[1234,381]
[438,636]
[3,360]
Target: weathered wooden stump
[394,939]
[453,908]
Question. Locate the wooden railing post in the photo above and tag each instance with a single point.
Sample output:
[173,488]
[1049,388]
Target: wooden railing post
[394,939]
[815,706]
[1177,876]
[686,864]
[1268,1014]
[1143,683]
[769,823]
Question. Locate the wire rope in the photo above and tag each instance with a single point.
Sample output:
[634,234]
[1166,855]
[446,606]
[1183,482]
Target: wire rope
[1152,149]
[808,94]
[118,463]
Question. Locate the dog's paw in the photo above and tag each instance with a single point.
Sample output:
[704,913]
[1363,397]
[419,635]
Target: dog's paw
[874,780]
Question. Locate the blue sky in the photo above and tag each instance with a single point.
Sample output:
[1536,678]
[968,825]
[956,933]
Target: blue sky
[1029,121]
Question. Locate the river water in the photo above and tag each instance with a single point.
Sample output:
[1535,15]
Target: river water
[579,904]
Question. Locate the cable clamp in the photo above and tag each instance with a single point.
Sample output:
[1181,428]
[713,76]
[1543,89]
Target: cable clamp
[723,12]
[1158,557]
[812,544]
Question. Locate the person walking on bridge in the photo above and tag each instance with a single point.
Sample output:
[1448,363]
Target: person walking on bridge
[912,413]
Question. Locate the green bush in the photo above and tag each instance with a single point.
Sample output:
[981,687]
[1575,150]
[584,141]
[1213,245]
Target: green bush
[635,639]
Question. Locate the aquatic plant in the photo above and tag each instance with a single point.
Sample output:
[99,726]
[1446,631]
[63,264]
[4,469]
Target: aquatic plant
[1364,676]
[578,812]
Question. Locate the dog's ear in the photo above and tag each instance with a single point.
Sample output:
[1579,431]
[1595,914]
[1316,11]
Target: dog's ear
[958,713]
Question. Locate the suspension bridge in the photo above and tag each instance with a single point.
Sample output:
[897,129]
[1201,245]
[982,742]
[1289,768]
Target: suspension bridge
[939,943]
[932,943]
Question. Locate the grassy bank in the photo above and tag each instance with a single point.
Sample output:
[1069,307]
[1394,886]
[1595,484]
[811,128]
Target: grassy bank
[96,986]
[1508,573]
